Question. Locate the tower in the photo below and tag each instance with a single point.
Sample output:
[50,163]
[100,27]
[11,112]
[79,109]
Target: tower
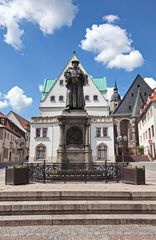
[115,99]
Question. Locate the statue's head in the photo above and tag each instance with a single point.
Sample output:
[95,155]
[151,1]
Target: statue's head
[75,63]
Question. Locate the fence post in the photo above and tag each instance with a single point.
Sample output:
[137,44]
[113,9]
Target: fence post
[105,171]
[44,173]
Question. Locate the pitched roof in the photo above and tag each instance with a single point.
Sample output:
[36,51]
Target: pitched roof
[25,123]
[2,115]
[12,127]
[101,83]
[138,103]
[132,101]
[150,99]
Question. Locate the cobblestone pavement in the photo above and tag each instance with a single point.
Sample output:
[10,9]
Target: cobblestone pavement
[102,232]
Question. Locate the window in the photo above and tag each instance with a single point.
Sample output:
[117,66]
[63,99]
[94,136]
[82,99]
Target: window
[138,85]
[105,132]
[40,152]
[52,98]
[152,128]
[132,94]
[2,121]
[146,135]
[149,133]
[145,93]
[129,107]
[87,98]
[44,132]
[102,152]
[98,132]
[61,82]
[60,98]
[38,132]
[95,98]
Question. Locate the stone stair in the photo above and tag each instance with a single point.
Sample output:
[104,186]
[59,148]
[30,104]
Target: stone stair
[77,207]
[133,158]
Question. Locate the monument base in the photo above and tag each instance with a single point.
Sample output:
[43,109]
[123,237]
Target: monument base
[74,137]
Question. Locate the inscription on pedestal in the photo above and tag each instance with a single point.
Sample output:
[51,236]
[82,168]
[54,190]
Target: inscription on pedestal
[74,136]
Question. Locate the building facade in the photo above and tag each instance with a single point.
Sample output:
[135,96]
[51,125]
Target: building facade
[10,136]
[147,126]
[125,118]
[45,129]
[24,125]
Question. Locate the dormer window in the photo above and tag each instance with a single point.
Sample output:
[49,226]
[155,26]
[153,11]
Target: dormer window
[87,98]
[52,98]
[60,98]
[95,97]
[61,82]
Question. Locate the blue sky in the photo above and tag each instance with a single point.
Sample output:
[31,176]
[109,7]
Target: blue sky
[37,38]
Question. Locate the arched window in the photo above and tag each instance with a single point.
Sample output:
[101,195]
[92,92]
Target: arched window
[124,125]
[61,98]
[102,151]
[40,152]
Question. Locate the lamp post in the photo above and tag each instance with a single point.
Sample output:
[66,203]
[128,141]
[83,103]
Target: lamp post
[122,141]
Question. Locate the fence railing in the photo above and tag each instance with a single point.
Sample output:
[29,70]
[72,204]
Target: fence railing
[51,172]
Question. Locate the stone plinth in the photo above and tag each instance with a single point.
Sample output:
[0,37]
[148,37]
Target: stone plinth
[74,144]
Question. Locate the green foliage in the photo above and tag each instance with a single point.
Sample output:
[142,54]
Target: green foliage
[140,149]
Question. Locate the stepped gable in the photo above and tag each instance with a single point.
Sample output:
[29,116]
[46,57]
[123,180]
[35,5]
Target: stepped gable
[135,97]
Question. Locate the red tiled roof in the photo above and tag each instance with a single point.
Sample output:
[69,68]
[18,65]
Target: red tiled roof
[25,123]
[2,115]
[8,124]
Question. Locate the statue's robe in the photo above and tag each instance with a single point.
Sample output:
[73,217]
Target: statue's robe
[75,80]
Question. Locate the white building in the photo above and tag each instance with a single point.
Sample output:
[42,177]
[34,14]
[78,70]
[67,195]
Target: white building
[45,130]
[147,126]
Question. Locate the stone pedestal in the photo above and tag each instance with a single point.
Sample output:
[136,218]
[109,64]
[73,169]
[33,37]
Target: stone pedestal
[74,144]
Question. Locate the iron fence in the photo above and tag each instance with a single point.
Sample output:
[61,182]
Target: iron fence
[52,172]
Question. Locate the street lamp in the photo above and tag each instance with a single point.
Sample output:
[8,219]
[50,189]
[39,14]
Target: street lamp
[122,141]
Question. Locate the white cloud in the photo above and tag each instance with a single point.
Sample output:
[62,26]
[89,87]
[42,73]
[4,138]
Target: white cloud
[48,14]
[110,18]
[151,82]
[16,99]
[127,61]
[112,46]
[110,91]
[3,104]
[40,86]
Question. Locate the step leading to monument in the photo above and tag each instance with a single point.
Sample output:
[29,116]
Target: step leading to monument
[83,219]
[75,195]
[77,207]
